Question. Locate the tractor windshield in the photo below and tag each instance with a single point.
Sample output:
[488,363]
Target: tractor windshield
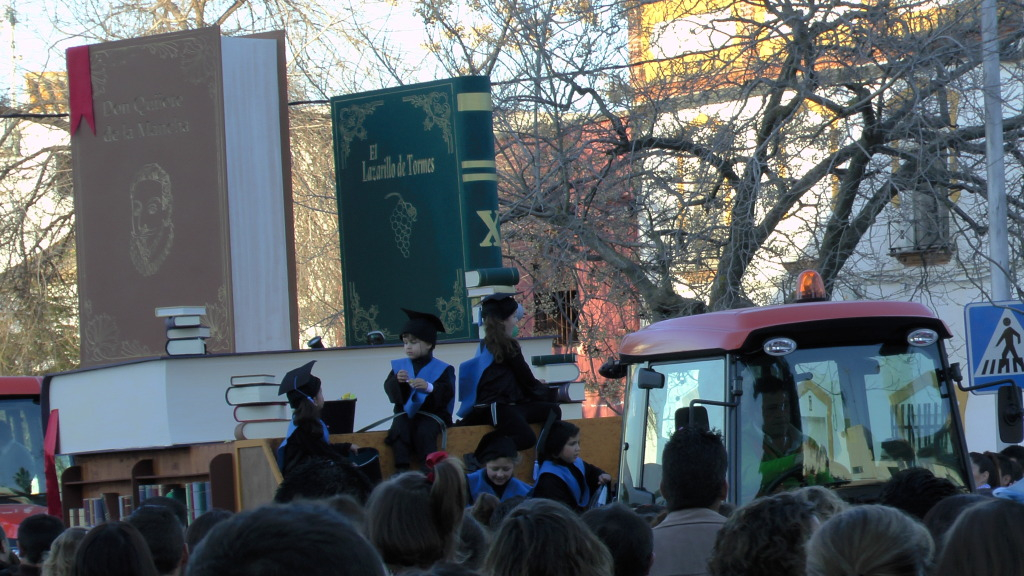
[21,451]
[846,417]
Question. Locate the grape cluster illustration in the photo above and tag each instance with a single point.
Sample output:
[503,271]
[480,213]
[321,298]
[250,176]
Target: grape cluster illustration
[401,220]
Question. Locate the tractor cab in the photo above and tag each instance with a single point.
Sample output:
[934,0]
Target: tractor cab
[837,394]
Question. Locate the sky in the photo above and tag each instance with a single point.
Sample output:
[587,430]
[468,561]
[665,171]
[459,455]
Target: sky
[36,46]
[33,41]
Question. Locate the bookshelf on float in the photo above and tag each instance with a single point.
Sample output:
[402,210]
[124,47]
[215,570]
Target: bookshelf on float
[121,480]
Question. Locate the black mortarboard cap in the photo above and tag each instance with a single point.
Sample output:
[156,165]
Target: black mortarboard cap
[494,445]
[422,325]
[500,305]
[299,384]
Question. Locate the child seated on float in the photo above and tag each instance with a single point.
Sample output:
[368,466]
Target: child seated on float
[422,388]
[563,475]
[498,457]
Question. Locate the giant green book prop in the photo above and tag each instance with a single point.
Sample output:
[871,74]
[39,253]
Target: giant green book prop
[417,202]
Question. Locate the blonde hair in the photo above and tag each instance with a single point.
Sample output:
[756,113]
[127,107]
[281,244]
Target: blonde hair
[870,540]
[61,558]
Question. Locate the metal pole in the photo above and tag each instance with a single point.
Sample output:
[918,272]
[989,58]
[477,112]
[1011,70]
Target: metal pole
[999,249]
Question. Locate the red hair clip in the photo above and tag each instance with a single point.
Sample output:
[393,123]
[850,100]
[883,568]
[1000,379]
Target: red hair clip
[433,459]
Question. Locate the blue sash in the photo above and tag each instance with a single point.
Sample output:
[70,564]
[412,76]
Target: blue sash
[469,376]
[288,434]
[582,496]
[478,484]
[431,372]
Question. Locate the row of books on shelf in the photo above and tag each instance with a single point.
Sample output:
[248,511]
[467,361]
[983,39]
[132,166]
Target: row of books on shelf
[196,496]
[98,510]
[186,333]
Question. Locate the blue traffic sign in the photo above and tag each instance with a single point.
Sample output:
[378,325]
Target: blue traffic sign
[995,342]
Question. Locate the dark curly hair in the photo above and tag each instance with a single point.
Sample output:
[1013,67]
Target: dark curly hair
[766,537]
[916,491]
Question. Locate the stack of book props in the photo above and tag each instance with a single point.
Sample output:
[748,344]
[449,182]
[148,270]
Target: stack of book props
[488,282]
[560,372]
[185,331]
[259,410]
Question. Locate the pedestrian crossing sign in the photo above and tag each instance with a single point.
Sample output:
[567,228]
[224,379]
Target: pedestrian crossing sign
[995,342]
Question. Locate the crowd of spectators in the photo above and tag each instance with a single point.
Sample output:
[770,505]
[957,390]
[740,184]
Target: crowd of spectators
[421,523]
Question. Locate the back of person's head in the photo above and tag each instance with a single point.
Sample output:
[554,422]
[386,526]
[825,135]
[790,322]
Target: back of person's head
[164,535]
[413,521]
[350,508]
[61,559]
[870,540]
[306,413]
[175,505]
[443,569]
[494,309]
[989,466]
[557,436]
[483,508]
[626,534]
[916,491]
[297,538]
[113,549]
[726,509]
[826,502]
[1010,468]
[1015,451]
[986,539]
[653,514]
[316,478]
[542,537]
[942,515]
[474,541]
[765,537]
[504,508]
[35,535]
[695,464]
[201,526]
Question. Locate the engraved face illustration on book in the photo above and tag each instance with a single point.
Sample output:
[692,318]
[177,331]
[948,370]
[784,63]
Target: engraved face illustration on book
[152,228]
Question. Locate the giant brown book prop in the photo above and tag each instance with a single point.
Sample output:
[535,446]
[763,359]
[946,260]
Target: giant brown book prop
[182,191]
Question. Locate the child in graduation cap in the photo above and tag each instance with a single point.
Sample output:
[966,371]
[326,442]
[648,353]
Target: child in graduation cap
[497,387]
[307,435]
[498,457]
[563,475]
[417,385]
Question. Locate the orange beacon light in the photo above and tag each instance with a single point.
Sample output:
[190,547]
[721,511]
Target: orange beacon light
[810,287]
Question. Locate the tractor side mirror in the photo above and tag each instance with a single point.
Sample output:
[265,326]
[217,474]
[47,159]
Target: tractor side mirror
[613,369]
[647,379]
[1011,425]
